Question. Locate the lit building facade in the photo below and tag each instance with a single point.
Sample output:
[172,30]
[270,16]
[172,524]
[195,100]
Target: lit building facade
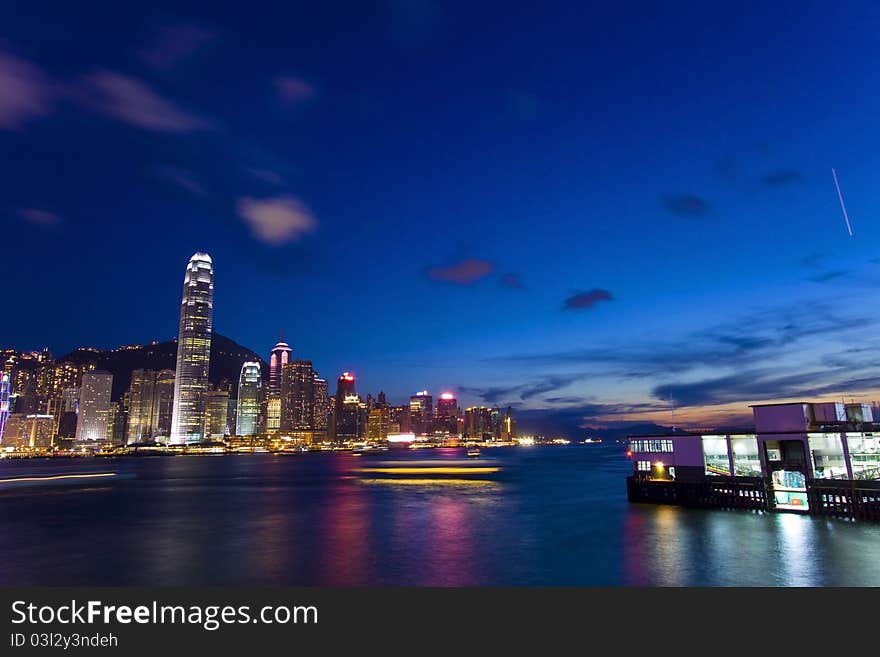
[322,404]
[344,425]
[298,408]
[280,356]
[193,351]
[217,409]
[250,387]
[446,420]
[421,413]
[4,402]
[94,406]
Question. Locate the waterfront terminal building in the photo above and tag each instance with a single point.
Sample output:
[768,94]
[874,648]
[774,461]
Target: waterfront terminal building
[820,458]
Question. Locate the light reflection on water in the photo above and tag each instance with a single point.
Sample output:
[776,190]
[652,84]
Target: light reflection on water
[547,516]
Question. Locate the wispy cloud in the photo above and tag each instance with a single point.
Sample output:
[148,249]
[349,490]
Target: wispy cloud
[512,280]
[182,178]
[39,217]
[686,205]
[175,43]
[277,220]
[828,276]
[25,92]
[134,102]
[293,91]
[782,178]
[585,300]
[466,272]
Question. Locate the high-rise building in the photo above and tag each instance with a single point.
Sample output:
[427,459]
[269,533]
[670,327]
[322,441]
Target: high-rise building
[298,396]
[150,400]
[479,423]
[342,426]
[322,404]
[250,385]
[273,413]
[141,407]
[508,426]
[421,411]
[4,402]
[29,431]
[94,406]
[378,423]
[163,405]
[217,408]
[193,351]
[281,356]
[446,419]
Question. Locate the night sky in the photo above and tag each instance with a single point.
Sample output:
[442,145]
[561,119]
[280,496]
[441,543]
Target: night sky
[588,212]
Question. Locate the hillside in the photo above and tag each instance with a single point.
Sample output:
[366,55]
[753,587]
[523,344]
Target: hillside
[227,357]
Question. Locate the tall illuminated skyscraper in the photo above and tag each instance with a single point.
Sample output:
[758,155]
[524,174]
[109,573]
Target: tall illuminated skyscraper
[322,404]
[94,406]
[298,396]
[344,389]
[193,351]
[446,418]
[250,385]
[4,403]
[421,412]
[280,357]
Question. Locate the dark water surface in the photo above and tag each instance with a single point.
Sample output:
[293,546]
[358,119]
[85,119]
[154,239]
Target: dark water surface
[548,516]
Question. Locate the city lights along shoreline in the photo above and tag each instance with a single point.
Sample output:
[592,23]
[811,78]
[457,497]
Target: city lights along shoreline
[68,406]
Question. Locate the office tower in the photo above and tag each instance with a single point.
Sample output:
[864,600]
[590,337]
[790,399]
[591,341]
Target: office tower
[298,396]
[273,413]
[250,385]
[163,404]
[4,402]
[280,357]
[217,409]
[421,411]
[344,390]
[193,351]
[398,419]
[378,423]
[322,404]
[141,406]
[508,426]
[29,431]
[348,422]
[94,406]
[478,423]
[446,419]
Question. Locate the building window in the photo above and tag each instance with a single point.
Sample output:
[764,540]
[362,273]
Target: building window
[643,466]
[746,461]
[715,456]
[864,455]
[826,450]
[651,446]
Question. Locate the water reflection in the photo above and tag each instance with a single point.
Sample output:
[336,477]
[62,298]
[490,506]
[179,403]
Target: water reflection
[546,516]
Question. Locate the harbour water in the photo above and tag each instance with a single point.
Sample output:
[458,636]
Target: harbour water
[530,516]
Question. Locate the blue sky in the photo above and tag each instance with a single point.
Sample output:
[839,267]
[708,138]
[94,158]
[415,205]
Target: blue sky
[587,212]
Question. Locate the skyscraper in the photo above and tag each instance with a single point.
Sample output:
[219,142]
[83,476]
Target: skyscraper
[344,390]
[94,406]
[421,412]
[193,351]
[216,414]
[322,404]
[446,419]
[280,357]
[4,403]
[298,396]
[140,409]
[149,407]
[250,385]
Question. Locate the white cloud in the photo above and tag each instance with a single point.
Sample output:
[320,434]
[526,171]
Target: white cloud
[132,101]
[25,93]
[277,220]
[39,217]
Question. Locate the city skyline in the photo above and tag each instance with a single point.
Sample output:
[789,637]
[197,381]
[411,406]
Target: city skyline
[503,219]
